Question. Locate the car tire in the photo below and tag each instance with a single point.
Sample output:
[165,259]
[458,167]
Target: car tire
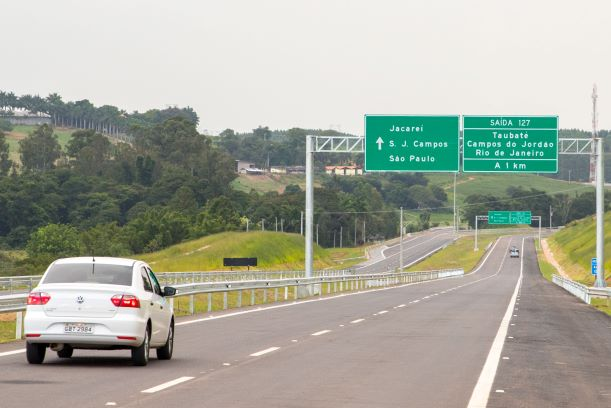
[140,354]
[35,352]
[165,352]
[66,352]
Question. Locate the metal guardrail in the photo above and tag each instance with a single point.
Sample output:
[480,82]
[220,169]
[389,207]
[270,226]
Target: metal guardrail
[23,284]
[301,287]
[583,292]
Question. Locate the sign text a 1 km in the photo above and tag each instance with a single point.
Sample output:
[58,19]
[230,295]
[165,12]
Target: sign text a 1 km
[510,144]
[412,143]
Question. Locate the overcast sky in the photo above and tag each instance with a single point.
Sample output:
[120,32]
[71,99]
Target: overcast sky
[314,63]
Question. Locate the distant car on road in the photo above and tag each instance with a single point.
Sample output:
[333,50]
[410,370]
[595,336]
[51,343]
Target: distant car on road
[99,303]
[514,252]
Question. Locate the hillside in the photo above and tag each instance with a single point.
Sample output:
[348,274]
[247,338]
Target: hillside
[274,250]
[21,132]
[575,246]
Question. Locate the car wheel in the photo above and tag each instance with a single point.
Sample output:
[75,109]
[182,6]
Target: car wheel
[165,352]
[66,352]
[35,353]
[140,354]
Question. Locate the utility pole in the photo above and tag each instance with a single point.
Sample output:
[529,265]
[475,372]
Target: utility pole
[247,220]
[455,219]
[316,234]
[341,236]
[355,232]
[262,224]
[276,224]
[551,212]
[600,198]
[364,232]
[301,224]
[401,241]
[333,238]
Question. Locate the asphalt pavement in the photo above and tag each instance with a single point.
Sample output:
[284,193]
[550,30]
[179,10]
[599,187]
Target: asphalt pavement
[418,345]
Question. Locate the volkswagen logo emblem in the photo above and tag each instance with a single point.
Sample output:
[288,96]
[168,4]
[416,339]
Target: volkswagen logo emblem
[80,300]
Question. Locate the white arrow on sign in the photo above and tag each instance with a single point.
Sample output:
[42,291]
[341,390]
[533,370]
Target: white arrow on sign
[379,142]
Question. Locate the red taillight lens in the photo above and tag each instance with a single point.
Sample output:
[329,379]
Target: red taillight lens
[125,301]
[38,298]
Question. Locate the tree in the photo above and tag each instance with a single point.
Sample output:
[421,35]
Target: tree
[40,149]
[5,162]
[218,215]
[105,240]
[53,241]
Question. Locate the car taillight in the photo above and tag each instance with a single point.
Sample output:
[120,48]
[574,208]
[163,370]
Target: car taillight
[125,301]
[38,298]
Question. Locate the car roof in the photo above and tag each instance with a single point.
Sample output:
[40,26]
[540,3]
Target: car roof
[98,259]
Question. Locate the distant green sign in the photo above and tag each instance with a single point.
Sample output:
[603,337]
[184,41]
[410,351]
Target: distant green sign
[509,217]
[510,144]
[411,143]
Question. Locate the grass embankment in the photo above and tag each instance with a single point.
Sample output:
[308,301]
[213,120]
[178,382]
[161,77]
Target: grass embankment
[274,251]
[575,246]
[497,184]
[7,327]
[265,183]
[459,254]
[20,132]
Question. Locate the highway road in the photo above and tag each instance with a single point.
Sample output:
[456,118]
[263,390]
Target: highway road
[498,337]
[415,248]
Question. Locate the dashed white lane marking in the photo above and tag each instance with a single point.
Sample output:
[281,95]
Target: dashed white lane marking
[402,305]
[426,297]
[226,364]
[510,337]
[500,391]
[415,301]
[505,358]
[111,404]
[294,341]
[357,321]
[267,350]
[481,392]
[383,311]
[167,385]
[9,353]
[341,325]
[320,333]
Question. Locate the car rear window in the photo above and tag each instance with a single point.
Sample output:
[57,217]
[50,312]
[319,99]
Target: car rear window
[90,273]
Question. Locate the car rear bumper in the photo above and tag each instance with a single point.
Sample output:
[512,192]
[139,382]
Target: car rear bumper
[128,330]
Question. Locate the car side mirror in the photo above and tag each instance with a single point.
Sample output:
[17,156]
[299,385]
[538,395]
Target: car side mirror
[169,291]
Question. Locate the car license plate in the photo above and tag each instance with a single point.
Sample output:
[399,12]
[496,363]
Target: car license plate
[78,328]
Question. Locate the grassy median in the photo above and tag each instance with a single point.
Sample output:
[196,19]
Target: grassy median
[459,254]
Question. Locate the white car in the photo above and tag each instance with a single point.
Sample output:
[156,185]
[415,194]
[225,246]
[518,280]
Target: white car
[99,303]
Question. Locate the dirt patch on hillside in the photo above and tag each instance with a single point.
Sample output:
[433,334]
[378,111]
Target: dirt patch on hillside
[197,250]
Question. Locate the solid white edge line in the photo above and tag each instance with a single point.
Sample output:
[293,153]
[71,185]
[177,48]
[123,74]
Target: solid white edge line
[10,353]
[167,385]
[267,350]
[357,321]
[481,392]
[320,333]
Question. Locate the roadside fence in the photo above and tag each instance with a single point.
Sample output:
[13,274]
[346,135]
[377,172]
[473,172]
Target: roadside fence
[273,288]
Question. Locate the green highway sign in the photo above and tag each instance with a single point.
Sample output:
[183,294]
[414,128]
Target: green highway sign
[510,144]
[509,217]
[411,143]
